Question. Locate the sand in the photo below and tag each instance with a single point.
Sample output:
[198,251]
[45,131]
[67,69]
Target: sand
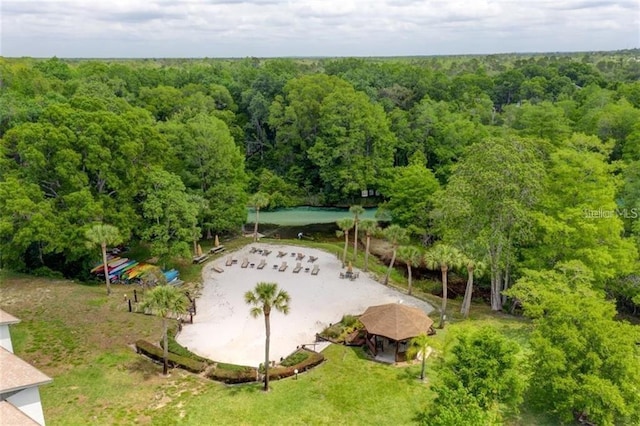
[223,330]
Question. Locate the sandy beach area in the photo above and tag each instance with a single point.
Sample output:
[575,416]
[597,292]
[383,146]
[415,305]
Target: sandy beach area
[223,330]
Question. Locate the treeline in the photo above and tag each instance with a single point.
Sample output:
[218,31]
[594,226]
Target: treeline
[170,150]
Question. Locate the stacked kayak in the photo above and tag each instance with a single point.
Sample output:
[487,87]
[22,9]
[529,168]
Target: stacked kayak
[125,270]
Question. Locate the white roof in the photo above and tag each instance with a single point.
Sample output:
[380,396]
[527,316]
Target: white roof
[10,415]
[17,374]
[7,318]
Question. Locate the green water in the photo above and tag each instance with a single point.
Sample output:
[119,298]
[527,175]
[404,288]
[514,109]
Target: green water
[300,216]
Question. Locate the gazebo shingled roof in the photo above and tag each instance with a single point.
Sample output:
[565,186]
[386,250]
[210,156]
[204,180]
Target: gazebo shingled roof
[396,321]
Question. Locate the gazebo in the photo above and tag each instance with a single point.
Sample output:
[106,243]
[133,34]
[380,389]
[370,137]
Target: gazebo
[397,323]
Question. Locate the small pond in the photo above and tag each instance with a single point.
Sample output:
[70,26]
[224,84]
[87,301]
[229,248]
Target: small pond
[311,221]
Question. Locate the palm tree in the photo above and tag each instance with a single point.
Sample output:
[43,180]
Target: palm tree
[419,346]
[263,298]
[369,226]
[473,268]
[103,235]
[356,211]
[257,201]
[443,257]
[412,256]
[395,235]
[165,300]
[345,225]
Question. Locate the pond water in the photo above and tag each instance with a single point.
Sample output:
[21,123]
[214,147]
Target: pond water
[313,222]
[302,216]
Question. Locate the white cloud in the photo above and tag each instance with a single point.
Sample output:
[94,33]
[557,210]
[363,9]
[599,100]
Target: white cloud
[139,28]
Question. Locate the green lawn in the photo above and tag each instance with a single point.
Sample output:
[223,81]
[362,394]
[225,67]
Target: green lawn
[83,339]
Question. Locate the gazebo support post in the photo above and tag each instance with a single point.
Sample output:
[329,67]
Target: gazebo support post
[397,345]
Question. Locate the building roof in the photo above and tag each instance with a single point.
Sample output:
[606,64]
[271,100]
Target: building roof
[396,321]
[17,374]
[10,415]
[7,318]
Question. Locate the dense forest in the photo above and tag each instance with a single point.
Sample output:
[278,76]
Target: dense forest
[529,164]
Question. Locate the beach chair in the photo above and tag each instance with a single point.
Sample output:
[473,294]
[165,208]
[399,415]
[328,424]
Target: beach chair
[218,269]
[262,264]
[300,256]
[312,259]
[245,263]
[297,268]
[253,250]
[266,252]
[315,270]
[283,267]
[282,253]
[229,261]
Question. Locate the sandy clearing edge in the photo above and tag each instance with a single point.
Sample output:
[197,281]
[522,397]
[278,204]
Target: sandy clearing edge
[224,331]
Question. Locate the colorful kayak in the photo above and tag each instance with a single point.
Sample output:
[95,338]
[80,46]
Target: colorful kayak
[119,267]
[171,275]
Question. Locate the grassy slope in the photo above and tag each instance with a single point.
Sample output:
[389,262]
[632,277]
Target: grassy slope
[82,338]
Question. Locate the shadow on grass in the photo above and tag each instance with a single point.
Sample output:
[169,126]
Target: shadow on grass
[146,367]
[245,388]
[410,374]
[361,352]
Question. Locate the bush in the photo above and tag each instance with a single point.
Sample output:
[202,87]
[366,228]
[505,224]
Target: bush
[232,374]
[177,349]
[295,358]
[349,320]
[156,353]
[313,359]
[332,332]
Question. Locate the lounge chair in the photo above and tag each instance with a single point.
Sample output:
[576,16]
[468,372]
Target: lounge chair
[312,259]
[282,253]
[266,252]
[315,270]
[300,256]
[245,263]
[297,268]
[253,250]
[218,269]
[262,264]
[229,261]
[216,250]
[283,267]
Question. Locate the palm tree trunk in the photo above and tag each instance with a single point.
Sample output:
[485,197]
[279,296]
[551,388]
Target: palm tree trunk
[267,326]
[165,353]
[393,260]
[409,272]
[443,309]
[466,302]
[355,242]
[366,253]
[346,244]
[255,226]
[105,267]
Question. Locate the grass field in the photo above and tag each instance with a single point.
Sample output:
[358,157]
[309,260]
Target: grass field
[83,339]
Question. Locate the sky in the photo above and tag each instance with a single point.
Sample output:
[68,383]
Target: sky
[312,28]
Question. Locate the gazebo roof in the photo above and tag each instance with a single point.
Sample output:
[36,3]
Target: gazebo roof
[396,321]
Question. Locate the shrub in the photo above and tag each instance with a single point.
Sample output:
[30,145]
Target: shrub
[236,374]
[332,332]
[349,320]
[313,359]
[156,353]
[295,358]
[177,349]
